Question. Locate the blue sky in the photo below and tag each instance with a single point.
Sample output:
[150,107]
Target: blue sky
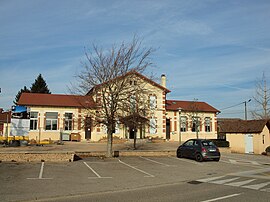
[211,50]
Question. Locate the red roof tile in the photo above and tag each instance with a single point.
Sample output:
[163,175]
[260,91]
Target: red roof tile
[190,106]
[137,74]
[55,100]
[242,126]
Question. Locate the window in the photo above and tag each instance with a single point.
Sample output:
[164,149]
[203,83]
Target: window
[68,121]
[153,126]
[189,143]
[132,103]
[195,124]
[33,120]
[117,129]
[51,120]
[153,103]
[207,123]
[183,123]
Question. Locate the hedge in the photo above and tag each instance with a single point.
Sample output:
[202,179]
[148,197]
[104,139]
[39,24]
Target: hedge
[221,143]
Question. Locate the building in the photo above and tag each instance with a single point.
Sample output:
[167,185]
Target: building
[246,136]
[52,116]
[4,122]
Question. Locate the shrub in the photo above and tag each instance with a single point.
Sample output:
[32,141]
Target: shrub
[267,150]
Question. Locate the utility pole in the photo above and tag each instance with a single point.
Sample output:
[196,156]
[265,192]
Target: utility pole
[245,102]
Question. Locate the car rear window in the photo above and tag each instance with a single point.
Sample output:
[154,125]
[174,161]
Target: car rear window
[207,143]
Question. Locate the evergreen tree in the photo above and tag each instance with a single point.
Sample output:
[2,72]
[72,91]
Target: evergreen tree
[23,90]
[40,86]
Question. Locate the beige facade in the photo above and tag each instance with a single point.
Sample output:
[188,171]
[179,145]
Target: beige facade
[177,134]
[50,121]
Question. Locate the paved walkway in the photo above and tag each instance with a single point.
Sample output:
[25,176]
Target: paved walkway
[90,146]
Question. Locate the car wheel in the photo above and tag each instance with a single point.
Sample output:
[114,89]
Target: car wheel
[198,157]
[216,159]
[179,155]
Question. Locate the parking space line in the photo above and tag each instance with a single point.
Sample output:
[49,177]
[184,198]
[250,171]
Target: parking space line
[98,176]
[189,161]
[40,176]
[164,164]
[223,197]
[147,174]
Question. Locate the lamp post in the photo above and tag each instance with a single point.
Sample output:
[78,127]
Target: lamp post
[179,110]
[245,102]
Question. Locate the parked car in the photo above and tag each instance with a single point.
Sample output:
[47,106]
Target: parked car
[198,149]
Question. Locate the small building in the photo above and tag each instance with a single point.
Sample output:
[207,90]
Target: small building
[246,136]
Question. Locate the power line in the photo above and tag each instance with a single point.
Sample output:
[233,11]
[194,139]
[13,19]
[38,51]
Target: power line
[232,106]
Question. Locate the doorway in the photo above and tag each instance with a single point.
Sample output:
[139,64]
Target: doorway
[168,129]
[249,144]
[87,127]
[132,133]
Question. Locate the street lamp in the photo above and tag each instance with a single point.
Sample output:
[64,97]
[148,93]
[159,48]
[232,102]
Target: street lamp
[179,110]
[245,102]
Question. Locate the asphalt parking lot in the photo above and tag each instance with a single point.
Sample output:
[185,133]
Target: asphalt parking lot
[48,181]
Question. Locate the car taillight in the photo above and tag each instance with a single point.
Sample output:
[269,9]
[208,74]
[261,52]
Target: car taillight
[203,149]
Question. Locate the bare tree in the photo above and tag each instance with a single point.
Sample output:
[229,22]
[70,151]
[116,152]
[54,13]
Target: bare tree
[111,77]
[262,100]
[197,119]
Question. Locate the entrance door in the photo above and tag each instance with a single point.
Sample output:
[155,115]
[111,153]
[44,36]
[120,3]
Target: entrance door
[249,143]
[87,127]
[168,129]
[131,133]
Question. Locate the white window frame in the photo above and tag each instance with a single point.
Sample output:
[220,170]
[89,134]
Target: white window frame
[207,124]
[51,120]
[152,102]
[183,124]
[33,120]
[153,126]
[68,121]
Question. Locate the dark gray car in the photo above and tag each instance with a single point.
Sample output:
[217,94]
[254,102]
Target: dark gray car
[198,149]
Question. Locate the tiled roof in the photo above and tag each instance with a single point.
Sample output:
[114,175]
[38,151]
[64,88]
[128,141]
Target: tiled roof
[136,74]
[55,100]
[189,106]
[242,126]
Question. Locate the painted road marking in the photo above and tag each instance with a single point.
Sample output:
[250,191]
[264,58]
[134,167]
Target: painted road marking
[257,186]
[210,179]
[147,174]
[229,182]
[164,164]
[186,160]
[40,176]
[98,176]
[241,183]
[225,180]
[223,197]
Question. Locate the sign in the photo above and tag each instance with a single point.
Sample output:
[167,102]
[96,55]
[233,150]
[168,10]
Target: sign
[19,127]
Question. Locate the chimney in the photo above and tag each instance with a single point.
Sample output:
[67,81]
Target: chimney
[163,80]
[1,110]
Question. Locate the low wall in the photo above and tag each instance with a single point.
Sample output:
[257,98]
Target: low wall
[37,156]
[50,156]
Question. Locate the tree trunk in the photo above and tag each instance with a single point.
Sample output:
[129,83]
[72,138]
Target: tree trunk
[135,137]
[109,144]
